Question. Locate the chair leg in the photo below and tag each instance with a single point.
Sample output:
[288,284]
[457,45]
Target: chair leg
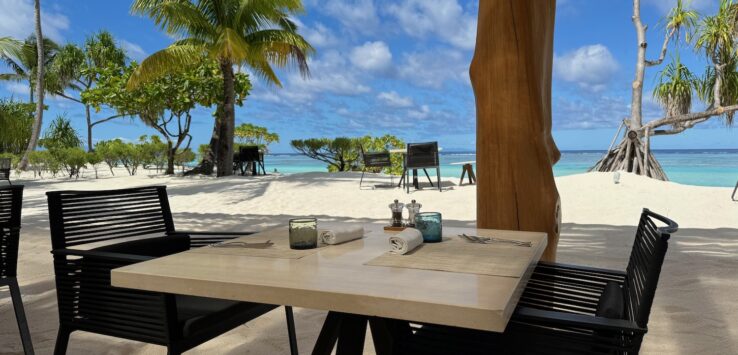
[428,176]
[173,350]
[732,197]
[62,341]
[291,330]
[20,317]
[438,176]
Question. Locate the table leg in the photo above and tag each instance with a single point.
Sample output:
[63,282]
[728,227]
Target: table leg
[352,334]
[386,333]
[349,330]
[472,176]
[463,172]
[415,179]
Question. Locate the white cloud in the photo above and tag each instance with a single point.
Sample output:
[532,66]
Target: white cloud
[318,35]
[434,68]
[357,15]
[328,74]
[17,20]
[445,19]
[590,67]
[19,88]
[134,51]
[421,113]
[372,56]
[393,99]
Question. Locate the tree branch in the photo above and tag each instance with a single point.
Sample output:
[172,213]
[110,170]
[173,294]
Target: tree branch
[697,117]
[664,47]
[107,119]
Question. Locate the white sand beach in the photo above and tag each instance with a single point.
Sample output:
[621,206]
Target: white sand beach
[694,310]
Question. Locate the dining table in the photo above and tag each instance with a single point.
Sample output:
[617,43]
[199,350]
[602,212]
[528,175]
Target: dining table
[360,283]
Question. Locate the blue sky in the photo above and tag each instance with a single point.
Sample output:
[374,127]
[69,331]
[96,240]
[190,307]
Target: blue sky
[399,67]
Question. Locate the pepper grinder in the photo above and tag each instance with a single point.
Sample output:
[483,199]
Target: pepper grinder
[413,208]
[396,213]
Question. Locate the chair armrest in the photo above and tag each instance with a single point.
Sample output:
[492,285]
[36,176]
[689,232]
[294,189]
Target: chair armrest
[102,255]
[554,318]
[587,269]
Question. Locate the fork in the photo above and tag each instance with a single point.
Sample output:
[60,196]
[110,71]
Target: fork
[485,240]
[266,244]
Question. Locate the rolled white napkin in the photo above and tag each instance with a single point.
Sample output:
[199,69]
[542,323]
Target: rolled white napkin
[405,241]
[341,234]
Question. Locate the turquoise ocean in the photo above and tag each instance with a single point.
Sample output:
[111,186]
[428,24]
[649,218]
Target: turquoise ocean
[711,167]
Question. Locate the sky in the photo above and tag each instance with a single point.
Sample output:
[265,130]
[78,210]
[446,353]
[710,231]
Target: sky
[398,67]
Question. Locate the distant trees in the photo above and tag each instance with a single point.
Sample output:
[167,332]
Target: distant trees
[255,34]
[16,119]
[343,154]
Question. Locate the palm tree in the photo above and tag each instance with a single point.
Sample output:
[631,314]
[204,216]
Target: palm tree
[24,61]
[253,33]
[36,129]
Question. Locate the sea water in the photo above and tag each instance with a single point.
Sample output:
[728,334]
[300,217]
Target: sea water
[692,167]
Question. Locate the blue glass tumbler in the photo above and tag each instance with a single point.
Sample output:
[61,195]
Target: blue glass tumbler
[430,225]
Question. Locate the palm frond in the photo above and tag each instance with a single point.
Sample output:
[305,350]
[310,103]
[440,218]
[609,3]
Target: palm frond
[167,60]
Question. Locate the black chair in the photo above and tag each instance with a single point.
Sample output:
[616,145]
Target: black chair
[139,222]
[5,164]
[250,156]
[735,191]
[375,160]
[11,201]
[569,309]
[421,156]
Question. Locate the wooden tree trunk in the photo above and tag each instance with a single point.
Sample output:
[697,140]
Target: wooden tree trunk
[38,121]
[511,76]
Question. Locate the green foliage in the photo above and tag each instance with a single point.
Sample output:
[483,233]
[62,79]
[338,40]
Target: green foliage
[72,160]
[23,61]
[16,119]
[154,151]
[94,159]
[111,152]
[184,156]
[41,160]
[60,135]
[344,154]
[249,134]
[674,89]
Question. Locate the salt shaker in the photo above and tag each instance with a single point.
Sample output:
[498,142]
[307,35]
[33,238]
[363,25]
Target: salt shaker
[412,208]
[396,208]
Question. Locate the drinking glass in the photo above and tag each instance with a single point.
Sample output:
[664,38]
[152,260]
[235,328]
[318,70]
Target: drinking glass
[303,233]
[430,225]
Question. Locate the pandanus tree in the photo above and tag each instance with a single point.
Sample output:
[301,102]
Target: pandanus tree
[715,38]
[257,34]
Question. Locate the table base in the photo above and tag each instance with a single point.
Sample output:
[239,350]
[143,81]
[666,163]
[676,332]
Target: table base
[349,331]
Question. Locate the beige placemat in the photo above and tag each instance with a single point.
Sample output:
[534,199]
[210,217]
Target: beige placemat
[456,255]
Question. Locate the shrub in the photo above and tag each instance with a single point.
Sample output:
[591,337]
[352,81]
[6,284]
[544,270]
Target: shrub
[94,159]
[344,154]
[73,160]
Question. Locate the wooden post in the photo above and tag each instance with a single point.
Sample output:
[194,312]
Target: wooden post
[646,151]
[511,76]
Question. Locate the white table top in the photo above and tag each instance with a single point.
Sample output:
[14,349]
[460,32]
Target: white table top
[336,278]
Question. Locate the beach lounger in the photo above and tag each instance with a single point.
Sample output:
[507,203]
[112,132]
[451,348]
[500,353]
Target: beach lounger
[5,169]
[565,309]
[121,227]
[11,200]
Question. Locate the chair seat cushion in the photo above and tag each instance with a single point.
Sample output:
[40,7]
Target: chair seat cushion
[611,303]
[201,314]
[154,247]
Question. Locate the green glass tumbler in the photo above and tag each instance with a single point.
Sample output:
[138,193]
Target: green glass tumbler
[303,233]
[430,225]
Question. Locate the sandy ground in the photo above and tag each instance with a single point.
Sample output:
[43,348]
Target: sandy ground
[694,311]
